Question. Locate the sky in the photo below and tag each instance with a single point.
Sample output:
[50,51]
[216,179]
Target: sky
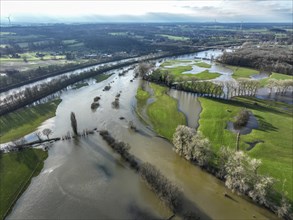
[67,11]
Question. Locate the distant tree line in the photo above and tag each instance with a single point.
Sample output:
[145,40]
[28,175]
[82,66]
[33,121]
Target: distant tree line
[272,59]
[19,78]
[227,89]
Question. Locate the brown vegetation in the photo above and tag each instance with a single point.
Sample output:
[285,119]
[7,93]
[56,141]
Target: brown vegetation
[272,59]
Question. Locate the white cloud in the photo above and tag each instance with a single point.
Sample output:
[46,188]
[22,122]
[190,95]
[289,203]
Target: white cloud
[225,10]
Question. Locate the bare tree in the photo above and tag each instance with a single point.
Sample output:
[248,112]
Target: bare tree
[144,68]
[38,134]
[47,132]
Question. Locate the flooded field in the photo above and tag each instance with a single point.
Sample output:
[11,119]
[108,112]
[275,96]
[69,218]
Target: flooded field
[84,178]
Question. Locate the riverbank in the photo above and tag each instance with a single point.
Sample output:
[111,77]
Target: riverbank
[271,138]
[23,121]
[66,81]
[56,73]
[92,64]
[17,170]
[274,133]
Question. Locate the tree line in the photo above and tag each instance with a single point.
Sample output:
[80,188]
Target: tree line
[272,59]
[167,192]
[15,78]
[239,171]
[216,89]
[34,93]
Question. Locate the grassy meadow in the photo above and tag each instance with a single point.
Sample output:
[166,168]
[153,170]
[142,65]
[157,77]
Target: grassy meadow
[275,129]
[16,171]
[277,76]
[175,38]
[23,121]
[163,112]
[178,71]
[242,72]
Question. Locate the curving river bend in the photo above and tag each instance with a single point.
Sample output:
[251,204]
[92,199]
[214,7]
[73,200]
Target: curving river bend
[85,179]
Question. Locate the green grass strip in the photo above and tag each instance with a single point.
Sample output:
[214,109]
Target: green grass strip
[205,75]
[23,121]
[275,129]
[242,72]
[16,171]
[163,113]
[277,76]
[203,64]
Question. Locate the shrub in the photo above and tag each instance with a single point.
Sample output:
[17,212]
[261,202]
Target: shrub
[97,98]
[241,119]
[115,103]
[94,105]
[107,88]
[191,145]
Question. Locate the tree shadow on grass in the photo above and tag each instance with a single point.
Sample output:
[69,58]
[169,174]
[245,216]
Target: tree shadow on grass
[264,125]
[249,103]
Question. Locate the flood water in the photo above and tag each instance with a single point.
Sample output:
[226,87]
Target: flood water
[85,179]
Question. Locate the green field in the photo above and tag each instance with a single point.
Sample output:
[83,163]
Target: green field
[172,37]
[280,76]
[205,75]
[6,33]
[178,71]
[203,64]
[79,85]
[23,121]
[163,112]
[142,95]
[16,171]
[30,57]
[242,72]
[118,33]
[174,62]
[277,76]
[275,129]
[72,41]
[80,44]
[101,77]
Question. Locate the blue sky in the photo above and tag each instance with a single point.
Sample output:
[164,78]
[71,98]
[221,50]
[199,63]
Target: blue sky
[147,11]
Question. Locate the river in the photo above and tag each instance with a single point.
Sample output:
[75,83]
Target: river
[85,179]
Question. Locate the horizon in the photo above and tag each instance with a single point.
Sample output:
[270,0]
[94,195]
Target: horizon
[222,11]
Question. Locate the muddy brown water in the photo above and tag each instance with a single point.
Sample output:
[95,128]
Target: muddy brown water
[85,179]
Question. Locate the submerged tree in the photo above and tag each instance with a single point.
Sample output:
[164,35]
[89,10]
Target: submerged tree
[47,132]
[241,121]
[38,134]
[73,123]
[144,68]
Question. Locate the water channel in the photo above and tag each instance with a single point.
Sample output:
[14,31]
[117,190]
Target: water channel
[84,179]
